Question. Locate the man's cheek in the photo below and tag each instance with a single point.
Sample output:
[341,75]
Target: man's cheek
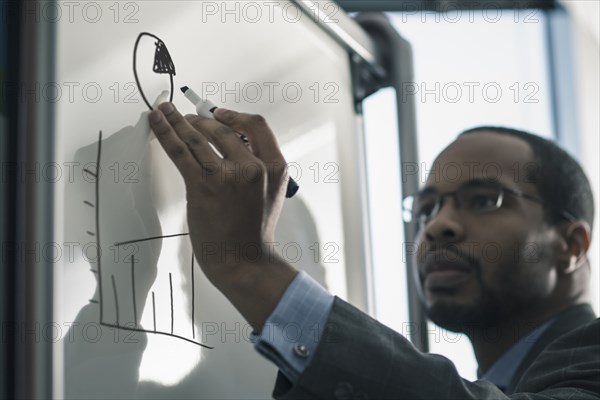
[491,253]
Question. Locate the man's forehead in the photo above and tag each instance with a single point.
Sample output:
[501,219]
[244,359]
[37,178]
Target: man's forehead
[483,155]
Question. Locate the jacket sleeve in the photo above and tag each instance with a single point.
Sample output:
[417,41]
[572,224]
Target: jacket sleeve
[359,358]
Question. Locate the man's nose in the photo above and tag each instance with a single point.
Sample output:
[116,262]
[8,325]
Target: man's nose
[446,226]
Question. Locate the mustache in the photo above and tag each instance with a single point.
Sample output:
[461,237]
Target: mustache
[449,256]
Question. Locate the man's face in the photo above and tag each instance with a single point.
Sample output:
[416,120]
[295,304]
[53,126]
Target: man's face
[477,269]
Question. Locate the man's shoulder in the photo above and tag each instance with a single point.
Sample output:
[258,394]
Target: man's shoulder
[564,322]
[571,359]
[572,318]
[569,324]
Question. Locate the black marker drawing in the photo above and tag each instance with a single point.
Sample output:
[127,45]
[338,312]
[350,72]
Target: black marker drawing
[114,282]
[154,311]
[133,288]
[97,217]
[171,292]
[112,278]
[193,301]
[163,64]
[150,238]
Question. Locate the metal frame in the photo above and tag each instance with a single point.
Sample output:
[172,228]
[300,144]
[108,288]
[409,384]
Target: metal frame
[30,202]
[345,31]
[8,223]
[562,79]
[441,5]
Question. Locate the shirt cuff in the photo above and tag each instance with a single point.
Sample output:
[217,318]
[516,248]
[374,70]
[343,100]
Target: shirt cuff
[293,331]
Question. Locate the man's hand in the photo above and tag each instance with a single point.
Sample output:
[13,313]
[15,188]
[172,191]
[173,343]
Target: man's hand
[233,202]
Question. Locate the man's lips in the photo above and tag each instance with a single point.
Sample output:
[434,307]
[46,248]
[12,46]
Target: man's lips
[445,270]
[445,279]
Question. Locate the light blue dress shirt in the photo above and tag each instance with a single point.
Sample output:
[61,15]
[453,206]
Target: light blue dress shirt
[293,331]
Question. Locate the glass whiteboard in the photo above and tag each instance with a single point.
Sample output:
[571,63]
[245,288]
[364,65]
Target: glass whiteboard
[154,327]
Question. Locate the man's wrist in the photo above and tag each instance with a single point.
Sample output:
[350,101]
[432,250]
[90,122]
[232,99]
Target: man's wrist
[257,286]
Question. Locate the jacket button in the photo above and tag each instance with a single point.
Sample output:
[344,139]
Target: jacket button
[343,391]
[301,350]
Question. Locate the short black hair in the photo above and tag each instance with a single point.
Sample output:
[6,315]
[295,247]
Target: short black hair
[560,180]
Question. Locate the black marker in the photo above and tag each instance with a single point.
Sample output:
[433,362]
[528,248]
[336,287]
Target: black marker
[205,108]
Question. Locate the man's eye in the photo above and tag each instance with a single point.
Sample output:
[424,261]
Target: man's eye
[424,209]
[483,201]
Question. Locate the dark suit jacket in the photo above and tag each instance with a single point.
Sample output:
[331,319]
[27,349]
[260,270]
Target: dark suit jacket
[565,322]
[359,358]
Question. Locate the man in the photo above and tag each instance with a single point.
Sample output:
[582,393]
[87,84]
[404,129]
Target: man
[505,271]
[532,289]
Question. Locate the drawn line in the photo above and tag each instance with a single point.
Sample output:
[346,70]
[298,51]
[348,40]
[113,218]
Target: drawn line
[90,233]
[133,290]
[193,303]
[93,301]
[112,277]
[154,311]
[156,333]
[99,255]
[171,288]
[88,203]
[90,172]
[150,238]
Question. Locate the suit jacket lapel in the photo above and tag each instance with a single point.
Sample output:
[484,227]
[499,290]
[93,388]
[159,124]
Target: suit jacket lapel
[566,321]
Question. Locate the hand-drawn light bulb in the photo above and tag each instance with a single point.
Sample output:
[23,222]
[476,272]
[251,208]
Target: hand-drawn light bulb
[163,64]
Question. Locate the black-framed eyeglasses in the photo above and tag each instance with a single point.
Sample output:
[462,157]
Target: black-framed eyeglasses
[476,197]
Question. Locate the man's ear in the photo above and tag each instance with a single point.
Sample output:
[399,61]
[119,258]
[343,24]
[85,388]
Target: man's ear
[576,238]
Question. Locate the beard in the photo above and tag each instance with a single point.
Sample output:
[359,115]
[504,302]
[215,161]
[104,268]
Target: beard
[485,311]
[465,318]
[513,289]
[480,311]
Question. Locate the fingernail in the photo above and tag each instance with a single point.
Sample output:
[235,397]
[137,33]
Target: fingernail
[221,112]
[155,116]
[167,108]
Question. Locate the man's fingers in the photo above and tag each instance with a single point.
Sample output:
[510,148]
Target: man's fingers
[195,141]
[225,139]
[263,141]
[175,148]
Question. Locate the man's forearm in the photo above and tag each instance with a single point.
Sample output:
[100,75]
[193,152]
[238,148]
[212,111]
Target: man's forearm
[256,288]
